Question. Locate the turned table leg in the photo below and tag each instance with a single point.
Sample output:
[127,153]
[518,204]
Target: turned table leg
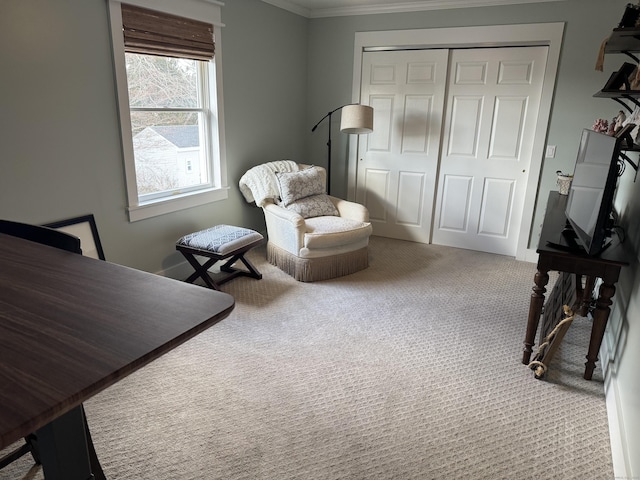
[584,295]
[600,318]
[540,279]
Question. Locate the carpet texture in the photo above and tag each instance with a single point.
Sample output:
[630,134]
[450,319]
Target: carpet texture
[409,369]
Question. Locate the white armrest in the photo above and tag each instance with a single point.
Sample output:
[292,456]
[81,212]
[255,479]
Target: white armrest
[351,210]
[284,227]
[286,215]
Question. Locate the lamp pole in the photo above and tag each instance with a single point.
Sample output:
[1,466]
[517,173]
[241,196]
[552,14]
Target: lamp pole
[328,115]
[356,119]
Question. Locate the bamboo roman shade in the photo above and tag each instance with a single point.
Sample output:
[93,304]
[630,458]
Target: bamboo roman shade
[157,33]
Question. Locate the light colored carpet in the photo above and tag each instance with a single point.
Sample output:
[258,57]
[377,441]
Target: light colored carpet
[407,370]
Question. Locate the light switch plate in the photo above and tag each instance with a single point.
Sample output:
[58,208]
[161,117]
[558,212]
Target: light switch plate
[551,151]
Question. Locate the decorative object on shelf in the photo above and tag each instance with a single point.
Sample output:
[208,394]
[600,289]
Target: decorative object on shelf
[634,80]
[623,86]
[618,121]
[625,134]
[630,17]
[601,125]
[625,79]
[632,119]
[600,57]
[616,42]
[356,119]
[563,182]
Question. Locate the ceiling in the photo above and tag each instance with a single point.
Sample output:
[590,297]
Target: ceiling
[336,8]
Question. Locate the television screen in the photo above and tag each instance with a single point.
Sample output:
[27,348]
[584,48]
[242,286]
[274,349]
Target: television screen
[590,201]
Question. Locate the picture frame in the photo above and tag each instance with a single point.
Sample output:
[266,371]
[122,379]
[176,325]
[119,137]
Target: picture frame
[622,79]
[85,228]
[625,133]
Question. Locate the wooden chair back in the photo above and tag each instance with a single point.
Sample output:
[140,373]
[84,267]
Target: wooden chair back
[44,235]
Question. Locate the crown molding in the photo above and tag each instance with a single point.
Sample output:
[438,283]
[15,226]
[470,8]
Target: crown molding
[382,8]
[291,7]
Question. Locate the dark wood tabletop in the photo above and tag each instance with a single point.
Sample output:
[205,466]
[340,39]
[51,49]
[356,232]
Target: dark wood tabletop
[71,326]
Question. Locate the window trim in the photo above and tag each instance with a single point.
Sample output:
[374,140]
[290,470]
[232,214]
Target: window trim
[136,209]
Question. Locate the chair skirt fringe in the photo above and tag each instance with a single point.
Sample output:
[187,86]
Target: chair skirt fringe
[320,268]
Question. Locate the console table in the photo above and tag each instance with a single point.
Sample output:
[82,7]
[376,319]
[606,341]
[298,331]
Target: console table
[71,326]
[553,257]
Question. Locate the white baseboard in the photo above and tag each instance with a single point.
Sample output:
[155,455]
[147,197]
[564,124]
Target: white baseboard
[616,432]
[179,271]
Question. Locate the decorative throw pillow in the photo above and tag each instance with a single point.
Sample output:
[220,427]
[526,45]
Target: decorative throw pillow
[314,206]
[300,184]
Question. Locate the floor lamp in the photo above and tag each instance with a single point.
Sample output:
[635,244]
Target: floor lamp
[355,119]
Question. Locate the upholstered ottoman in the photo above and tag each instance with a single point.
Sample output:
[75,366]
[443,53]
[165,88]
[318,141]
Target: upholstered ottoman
[221,242]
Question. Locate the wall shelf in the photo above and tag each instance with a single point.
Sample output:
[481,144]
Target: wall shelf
[624,40]
[621,95]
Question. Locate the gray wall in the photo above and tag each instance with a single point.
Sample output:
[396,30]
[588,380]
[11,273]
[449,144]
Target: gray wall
[59,133]
[60,143]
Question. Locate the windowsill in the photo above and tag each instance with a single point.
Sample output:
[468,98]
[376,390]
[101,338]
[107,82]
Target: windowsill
[174,204]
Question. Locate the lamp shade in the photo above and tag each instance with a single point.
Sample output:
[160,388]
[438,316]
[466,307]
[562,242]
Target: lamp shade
[357,119]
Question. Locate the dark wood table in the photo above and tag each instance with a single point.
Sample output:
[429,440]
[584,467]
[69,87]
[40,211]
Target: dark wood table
[71,326]
[606,266]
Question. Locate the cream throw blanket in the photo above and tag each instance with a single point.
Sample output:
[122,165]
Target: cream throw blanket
[260,184]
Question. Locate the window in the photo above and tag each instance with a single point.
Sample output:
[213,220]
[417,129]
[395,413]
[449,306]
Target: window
[169,119]
[169,101]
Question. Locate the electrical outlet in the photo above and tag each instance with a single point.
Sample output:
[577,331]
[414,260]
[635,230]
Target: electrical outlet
[551,151]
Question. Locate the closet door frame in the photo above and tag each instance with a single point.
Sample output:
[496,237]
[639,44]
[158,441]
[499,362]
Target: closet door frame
[547,34]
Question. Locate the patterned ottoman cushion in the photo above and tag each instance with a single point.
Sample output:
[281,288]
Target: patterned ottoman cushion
[221,239]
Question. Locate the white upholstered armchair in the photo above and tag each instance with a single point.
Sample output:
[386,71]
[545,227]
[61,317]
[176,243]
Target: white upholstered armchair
[311,235]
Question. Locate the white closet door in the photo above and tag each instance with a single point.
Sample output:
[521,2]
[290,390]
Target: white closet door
[397,166]
[492,106]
